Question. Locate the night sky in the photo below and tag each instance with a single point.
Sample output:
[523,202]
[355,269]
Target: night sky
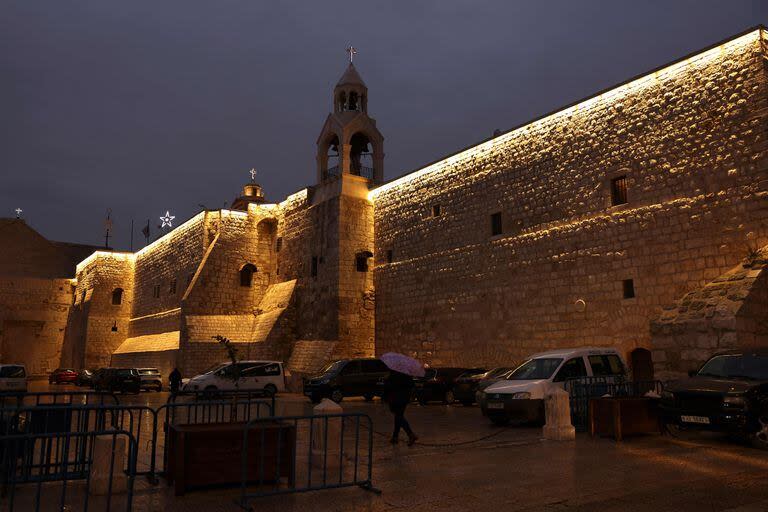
[147,106]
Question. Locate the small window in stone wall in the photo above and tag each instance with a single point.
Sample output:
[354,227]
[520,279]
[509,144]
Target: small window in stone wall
[172,287]
[436,210]
[361,260]
[156,291]
[117,296]
[279,244]
[628,286]
[313,268]
[496,227]
[619,190]
[390,256]
[246,274]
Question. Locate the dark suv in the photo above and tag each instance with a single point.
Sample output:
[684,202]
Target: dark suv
[728,394]
[347,377]
[117,379]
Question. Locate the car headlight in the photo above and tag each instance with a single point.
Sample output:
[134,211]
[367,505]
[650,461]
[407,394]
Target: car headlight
[524,395]
[733,401]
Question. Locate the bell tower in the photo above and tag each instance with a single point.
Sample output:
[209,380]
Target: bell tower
[349,143]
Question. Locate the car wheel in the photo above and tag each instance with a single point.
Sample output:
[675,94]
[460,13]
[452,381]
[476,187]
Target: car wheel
[337,396]
[760,438]
[448,397]
[270,390]
[500,420]
[368,397]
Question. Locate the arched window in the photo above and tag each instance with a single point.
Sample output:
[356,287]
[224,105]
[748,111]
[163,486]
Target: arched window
[342,101]
[117,296]
[246,274]
[353,101]
[361,260]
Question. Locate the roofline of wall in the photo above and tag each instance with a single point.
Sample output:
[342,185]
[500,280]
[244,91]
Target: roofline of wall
[757,28]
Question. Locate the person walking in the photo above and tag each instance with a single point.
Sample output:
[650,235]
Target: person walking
[398,388]
[175,380]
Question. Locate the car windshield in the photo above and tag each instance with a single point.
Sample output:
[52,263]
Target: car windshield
[332,368]
[534,369]
[10,372]
[737,366]
[125,373]
[496,373]
[213,368]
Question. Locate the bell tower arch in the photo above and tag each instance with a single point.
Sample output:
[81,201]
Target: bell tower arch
[349,142]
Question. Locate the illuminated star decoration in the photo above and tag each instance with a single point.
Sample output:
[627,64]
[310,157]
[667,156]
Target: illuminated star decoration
[18,212]
[253,174]
[167,219]
[351,51]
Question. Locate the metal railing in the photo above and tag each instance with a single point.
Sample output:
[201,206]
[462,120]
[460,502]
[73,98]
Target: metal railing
[583,389]
[294,454]
[66,471]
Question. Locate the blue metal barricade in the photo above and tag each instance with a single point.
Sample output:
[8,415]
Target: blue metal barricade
[292,454]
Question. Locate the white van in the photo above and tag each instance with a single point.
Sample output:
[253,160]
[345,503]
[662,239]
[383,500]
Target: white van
[520,396]
[13,377]
[254,376]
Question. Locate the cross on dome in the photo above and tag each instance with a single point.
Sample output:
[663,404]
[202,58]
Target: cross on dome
[18,212]
[352,51]
[253,174]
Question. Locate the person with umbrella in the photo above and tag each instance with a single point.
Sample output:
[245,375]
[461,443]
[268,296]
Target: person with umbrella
[398,389]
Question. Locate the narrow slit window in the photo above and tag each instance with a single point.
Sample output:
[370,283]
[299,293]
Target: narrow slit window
[156,291]
[496,227]
[313,268]
[390,256]
[619,191]
[117,296]
[436,210]
[629,288]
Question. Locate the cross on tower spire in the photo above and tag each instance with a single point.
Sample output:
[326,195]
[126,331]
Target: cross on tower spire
[352,51]
[253,174]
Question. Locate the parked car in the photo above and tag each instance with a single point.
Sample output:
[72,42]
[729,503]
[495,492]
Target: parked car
[267,376]
[13,377]
[520,396]
[466,386]
[728,394]
[63,376]
[437,384]
[117,379]
[84,378]
[151,379]
[347,377]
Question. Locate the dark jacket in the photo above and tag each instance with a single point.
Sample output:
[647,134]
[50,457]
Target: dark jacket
[398,388]
[175,378]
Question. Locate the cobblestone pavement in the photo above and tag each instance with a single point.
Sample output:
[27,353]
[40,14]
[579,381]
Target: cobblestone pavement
[512,470]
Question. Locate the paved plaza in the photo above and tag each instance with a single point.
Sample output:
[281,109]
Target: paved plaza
[509,469]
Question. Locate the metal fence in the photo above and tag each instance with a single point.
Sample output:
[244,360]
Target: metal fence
[91,470]
[294,454]
[583,389]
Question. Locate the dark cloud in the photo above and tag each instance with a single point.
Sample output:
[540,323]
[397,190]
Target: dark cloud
[144,106]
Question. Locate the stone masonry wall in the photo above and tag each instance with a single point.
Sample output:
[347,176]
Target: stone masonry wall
[97,326]
[691,141]
[33,317]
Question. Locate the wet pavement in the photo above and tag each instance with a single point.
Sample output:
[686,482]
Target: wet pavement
[509,469]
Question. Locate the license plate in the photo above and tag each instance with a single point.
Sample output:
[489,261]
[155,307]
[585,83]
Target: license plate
[496,405]
[695,419]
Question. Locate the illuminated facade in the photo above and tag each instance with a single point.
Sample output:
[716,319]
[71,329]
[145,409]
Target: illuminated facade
[608,222]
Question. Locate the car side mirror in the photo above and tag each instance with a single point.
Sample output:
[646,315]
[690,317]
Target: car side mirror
[692,373]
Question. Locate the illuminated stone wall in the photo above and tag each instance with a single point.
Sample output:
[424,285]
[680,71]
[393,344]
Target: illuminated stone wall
[690,139]
[33,316]
[96,326]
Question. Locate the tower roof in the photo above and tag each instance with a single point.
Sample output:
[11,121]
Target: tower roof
[351,77]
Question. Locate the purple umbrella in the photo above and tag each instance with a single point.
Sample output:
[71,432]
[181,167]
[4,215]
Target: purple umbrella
[403,364]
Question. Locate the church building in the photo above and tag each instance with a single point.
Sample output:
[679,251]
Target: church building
[634,218]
